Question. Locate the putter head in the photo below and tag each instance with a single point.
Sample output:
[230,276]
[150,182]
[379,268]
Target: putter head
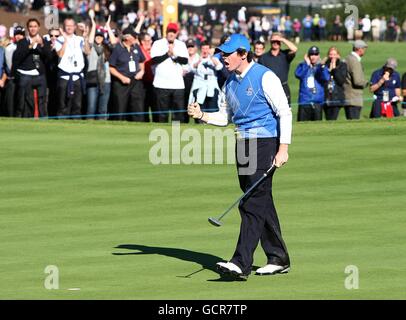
[215,222]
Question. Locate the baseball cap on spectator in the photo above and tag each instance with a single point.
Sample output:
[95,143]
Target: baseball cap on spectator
[130,31]
[234,42]
[190,43]
[172,27]
[99,32]
[3,31]
[360,44]
[313,51]
[391,63]
[19,30]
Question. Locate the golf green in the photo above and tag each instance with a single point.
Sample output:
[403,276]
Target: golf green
[84,197]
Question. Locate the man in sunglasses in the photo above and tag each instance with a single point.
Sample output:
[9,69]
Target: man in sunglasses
[279,60]
[312,75]
[52,72]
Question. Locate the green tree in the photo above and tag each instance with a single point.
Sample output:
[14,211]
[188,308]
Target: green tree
[387,8]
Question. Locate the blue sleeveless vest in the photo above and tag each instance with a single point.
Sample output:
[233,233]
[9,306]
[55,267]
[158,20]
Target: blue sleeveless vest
[251,112]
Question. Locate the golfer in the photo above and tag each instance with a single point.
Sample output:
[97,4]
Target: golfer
[254,100]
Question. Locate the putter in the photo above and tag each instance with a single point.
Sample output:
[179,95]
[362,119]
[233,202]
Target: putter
[191,274]
[216,222]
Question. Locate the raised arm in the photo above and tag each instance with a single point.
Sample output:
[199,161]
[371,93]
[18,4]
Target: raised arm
[61,51]
[292,48]
[92,32]
[140,23]
[113,39]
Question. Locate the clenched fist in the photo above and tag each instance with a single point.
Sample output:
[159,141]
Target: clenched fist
[194,111]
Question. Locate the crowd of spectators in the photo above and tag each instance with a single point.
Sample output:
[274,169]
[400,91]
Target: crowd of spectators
[132,72]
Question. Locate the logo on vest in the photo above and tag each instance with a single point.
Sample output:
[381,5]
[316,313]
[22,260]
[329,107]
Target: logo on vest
[249,91]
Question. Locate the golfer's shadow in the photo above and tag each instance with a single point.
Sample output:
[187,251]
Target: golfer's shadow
[207,261]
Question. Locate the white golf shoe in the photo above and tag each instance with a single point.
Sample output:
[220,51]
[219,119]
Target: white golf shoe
[229,267]
[270,269]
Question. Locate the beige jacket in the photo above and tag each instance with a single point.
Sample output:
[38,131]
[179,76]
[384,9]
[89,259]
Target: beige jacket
[355,82]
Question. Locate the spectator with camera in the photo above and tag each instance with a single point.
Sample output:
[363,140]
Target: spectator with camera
[386,87]
[29,59]
[312,75]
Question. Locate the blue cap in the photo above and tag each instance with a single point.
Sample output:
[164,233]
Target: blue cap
[234,42]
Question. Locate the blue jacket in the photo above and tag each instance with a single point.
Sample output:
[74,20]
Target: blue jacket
[2,61]
[312,79]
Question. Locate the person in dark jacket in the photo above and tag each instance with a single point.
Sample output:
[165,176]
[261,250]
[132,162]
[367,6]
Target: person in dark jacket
[333,88]
[52,73]
[9,97]
[29,60]
[3,78]
[386,87]
[279,60]
[404,94]
[312,75]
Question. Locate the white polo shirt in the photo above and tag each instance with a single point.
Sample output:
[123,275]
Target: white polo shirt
[169,74]
[72,61]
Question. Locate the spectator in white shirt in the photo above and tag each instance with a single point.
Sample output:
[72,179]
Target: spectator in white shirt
[375,24]
[366,28]
[241,15]
[382,29]
[169,54]
[71,50]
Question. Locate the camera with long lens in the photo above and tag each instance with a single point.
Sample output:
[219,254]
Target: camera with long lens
[389,70]
[36,59]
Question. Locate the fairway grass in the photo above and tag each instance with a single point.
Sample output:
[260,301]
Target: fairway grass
[83,196]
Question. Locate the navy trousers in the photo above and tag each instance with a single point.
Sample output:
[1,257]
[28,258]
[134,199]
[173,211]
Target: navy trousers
[259,219]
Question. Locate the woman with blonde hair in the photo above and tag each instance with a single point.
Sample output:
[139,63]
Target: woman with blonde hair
[334,89]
